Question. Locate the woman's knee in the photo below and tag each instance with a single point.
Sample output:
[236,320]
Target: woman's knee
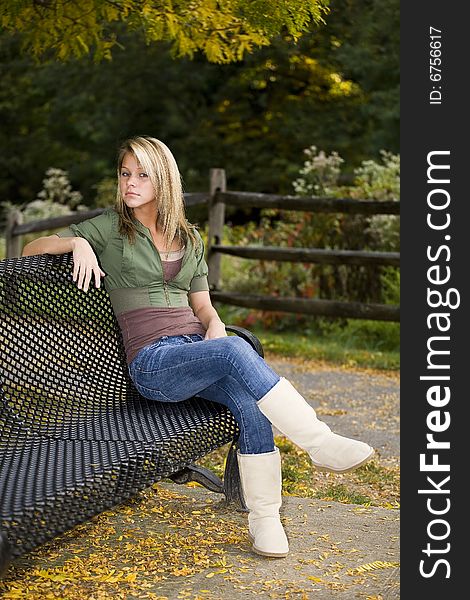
[238,348]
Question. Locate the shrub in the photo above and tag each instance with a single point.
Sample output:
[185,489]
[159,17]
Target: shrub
[55,199]
[320,175]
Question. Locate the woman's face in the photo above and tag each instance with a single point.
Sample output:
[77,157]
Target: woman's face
[135,184]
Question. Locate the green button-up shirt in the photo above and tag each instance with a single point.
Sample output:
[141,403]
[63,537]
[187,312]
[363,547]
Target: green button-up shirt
[134,272]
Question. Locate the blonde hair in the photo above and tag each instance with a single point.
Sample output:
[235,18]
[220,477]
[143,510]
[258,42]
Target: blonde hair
[156,159]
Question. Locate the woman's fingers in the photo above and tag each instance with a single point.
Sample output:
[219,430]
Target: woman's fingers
[85,265]
[82,275]
[75,272]
[86,281]
[98,274]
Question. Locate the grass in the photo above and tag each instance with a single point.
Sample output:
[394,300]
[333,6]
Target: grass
[374,484]
[341,493]
[363,344]
[329,350]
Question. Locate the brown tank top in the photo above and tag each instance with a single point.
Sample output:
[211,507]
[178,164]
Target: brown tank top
[143,326]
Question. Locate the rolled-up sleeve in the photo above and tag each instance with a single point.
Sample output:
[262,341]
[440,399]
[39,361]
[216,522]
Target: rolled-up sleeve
[199,282]
[96,231]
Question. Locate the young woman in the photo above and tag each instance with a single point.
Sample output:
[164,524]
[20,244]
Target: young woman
[176,345]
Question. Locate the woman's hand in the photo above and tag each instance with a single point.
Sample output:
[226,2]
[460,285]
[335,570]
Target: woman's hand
[215,330]
[206,313]
[85,264]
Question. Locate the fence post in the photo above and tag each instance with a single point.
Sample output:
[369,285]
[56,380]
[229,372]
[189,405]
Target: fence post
[216,225]
[14,243]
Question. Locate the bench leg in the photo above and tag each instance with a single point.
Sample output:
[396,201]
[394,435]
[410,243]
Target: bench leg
[230,486]
[5,554]
[201,475]
[232,483]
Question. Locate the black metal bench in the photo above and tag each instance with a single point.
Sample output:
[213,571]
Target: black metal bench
[76,437]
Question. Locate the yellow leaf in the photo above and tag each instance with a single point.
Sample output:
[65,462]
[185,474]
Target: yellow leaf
[378,564]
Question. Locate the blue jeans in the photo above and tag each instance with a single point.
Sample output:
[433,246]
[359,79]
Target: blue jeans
[225,370]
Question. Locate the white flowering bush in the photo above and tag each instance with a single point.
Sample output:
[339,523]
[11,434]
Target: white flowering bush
[379,181]
[37,210]
[372,181]
[57,188]
[319,174]
[55,199]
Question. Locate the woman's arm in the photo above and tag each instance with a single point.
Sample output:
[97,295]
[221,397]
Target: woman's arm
[206,313]
[85,263]
[50,244]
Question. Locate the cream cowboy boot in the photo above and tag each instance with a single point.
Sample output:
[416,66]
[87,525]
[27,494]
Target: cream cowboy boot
[260,476]
[294,417]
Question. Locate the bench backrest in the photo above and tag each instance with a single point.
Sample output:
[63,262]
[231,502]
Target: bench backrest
[61,353]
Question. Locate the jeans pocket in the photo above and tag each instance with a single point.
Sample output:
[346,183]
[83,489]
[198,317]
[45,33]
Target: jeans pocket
[157,343]
[148,360]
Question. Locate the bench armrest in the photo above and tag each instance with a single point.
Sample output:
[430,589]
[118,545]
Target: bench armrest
[248,337]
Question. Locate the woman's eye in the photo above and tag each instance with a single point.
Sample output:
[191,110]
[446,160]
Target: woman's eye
[124,174]
[143,174]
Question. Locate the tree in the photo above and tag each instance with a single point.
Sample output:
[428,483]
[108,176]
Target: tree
[335,88]
[362,41]
[222,30]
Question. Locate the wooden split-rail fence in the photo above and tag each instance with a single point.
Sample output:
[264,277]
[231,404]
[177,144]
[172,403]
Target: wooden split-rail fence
[216,199]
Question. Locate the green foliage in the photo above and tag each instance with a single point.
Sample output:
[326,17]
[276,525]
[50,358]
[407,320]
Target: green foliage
[390,279]
[223,31]
[375,336]
[320,174]
[363,42]
[353,343]
[105,192]
[253,117]
[57,198]
[333,338]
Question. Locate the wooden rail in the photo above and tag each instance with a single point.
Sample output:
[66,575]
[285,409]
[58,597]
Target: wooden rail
[220,197]
[16,228]
[326,308]
[311,255]
[312,203]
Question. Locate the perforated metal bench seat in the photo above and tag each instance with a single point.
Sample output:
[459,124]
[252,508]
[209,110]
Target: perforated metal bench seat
[75,435]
